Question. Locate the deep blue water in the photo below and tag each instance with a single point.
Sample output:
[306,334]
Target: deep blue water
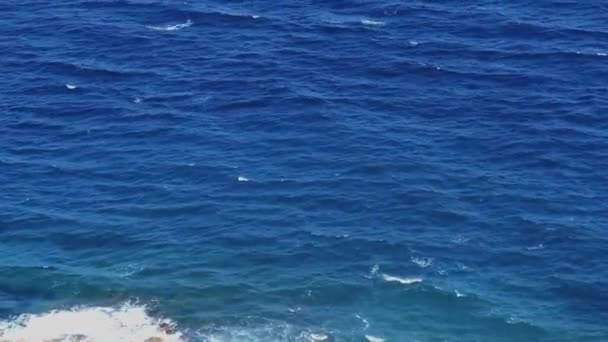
[280,171]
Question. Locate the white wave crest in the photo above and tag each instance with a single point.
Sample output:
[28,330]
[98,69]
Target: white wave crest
[266,333]
[318,337]
[371,338]
[364,321]
[294,310]
[242,179]
[536,247]
[405,281]
[422,262]
[370,22]
[129,323]
[373,272]
[171,27]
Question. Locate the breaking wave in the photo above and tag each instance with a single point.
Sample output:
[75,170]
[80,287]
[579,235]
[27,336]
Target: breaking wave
[128,323]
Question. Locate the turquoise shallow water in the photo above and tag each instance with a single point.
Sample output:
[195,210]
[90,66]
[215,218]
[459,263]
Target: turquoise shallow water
[318,170]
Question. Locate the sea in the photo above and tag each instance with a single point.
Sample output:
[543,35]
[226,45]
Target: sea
[303,170]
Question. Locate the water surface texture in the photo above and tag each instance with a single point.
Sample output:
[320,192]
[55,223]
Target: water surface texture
[304,170]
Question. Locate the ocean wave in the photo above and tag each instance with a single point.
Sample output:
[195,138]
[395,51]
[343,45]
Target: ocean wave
[364,321]
[370,22]
[128,323]
[211,9]
[132,323]
[236,14]
[319,337]
[87,68]
[422,261]
[334,21]
[371,338]
[401,280]
[175,27]
[373,272]
[536,247]
[211,14]
[268,332]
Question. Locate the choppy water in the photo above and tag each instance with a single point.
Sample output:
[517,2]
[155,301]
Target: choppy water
[304,170]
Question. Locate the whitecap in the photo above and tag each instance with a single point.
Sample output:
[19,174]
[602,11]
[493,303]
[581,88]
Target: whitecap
[513,319]
[601,54]
[371,338]
[70,86]
[137,100]
[237,14]
[405,281]
[373,271]
[128,323]
[370,22]
[458,294]
[535,248]
[422,262]
[272,331]
[318,337]
[243,15]
[364,321]
[171,27]
[413,43]
[242,179]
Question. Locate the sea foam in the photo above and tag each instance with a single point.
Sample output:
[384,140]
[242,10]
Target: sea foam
[128,323]
[405,281]
[371,338]
[171,27]
[270,332]
[422,262]
[370,22]
[364,321]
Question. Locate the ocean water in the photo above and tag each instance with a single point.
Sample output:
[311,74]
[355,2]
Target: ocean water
[303,170]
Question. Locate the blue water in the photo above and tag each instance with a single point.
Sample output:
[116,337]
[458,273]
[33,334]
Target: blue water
[264,171]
